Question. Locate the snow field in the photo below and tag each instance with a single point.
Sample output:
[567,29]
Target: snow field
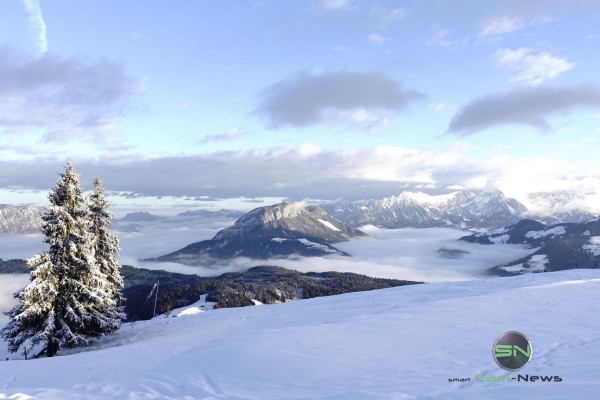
[399,343]
[329,225]
[555,231]
[537,263]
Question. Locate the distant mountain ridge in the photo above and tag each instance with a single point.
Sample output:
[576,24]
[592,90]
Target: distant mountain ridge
[557,247]
[461,209]
[144,216]
[139,216]
[20,219]
[273,231]
[486,209]
[222,213]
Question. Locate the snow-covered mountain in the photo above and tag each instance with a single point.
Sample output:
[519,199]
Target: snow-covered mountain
[419,342]
[461,209]
[279,230]
[557,207]
[559,247]
[20,219]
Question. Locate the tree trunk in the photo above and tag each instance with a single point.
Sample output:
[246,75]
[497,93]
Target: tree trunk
[51,348]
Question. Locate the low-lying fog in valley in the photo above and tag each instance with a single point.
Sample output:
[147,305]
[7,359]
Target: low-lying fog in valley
[10,284]
[430,255]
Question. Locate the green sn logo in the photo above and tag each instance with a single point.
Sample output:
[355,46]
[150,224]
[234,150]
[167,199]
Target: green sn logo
[512,351]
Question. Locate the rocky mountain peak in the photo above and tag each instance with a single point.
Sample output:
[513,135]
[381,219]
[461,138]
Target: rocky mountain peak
[273,231]
[291,219]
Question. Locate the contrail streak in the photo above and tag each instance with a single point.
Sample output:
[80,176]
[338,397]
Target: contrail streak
[37,24]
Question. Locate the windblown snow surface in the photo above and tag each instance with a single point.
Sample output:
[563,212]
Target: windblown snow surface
[399,343]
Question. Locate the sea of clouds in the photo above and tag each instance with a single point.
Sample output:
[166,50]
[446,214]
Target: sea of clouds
[411,254]
[408,253]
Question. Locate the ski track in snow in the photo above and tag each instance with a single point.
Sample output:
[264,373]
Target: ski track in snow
[399,343]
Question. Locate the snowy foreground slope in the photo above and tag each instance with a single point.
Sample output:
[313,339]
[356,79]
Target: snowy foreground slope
[399,343]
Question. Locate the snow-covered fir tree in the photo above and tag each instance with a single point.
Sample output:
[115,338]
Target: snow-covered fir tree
[106,248]
[63,305]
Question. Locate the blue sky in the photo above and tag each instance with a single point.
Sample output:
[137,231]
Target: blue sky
[189,102]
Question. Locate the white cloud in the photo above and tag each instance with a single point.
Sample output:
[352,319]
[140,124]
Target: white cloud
[440,37]
[229,135]
[334,4]
[377,38]
[546,174]
[388,253]
[9,284]
[443,107]
[395,15]
[531,68]
[410,254]
[501,26]
[37,24]
[307,171]
[359,118]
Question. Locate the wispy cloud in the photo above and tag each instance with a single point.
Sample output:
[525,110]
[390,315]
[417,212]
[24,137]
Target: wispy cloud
[37,24]
[377,38]
[497,27]
[395,15]
[359,118]
[334,4]
[229,135]
[501,26]
[440,37]
[531,68]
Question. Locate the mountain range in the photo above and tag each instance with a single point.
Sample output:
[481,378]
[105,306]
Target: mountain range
[144,216]
[486,209]
[557,247]
[273,231]
[20,219]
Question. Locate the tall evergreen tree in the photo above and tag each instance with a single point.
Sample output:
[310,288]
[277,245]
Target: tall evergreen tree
[106,248]
[59,307]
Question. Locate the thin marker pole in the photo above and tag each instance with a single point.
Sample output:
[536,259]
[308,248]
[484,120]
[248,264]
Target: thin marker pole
[155,299]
